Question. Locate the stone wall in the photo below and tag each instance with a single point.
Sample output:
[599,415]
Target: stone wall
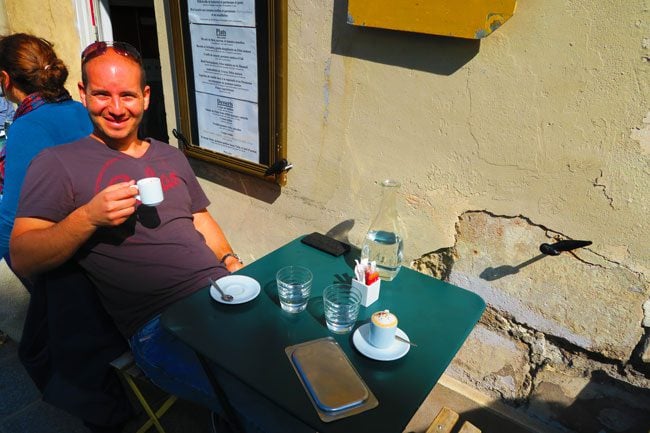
[565,338]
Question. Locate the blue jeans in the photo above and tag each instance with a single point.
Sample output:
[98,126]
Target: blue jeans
[173,366]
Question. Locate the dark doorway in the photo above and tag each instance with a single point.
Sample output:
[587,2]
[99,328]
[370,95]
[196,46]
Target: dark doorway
[135,22]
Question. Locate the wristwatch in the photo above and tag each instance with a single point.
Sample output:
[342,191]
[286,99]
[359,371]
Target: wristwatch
[225,256]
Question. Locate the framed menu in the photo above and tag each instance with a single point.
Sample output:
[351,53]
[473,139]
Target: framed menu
[231,59]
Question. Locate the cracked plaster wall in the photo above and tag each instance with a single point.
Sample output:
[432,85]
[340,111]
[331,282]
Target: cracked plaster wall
[563,335]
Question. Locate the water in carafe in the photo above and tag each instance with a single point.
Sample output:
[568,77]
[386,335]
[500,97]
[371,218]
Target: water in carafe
[385,248]
[384,243]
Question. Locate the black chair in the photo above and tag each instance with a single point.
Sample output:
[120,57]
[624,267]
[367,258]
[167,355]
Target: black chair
[67,345]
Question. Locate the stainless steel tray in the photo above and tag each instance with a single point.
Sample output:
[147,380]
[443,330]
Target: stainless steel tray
[332,383]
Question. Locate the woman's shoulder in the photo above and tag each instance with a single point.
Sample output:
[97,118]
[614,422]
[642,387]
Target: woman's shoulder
[68,119]
[56,111]
[69,105]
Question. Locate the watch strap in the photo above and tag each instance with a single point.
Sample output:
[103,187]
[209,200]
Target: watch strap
[225,256]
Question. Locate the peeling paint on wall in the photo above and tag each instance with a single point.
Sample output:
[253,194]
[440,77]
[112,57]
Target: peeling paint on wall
[499,258]
[517,309]
[538,356]
[642,135]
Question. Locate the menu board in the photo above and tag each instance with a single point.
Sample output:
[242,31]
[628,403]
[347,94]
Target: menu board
[231,59]
[224,57]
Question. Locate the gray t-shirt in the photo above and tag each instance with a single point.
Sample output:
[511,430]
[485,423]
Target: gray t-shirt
[153,259]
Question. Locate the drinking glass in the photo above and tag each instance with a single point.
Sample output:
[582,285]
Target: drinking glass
[294,288]
[341,304]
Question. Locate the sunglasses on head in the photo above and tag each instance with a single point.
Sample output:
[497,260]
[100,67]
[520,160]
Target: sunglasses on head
[98,48]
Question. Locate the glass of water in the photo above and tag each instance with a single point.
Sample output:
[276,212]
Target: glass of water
[341,304]
[294,288]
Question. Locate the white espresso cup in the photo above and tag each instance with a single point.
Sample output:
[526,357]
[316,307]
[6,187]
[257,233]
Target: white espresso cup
[383,325]
[150,191]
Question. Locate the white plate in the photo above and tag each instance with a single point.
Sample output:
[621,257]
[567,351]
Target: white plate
[240,287]
[391,353]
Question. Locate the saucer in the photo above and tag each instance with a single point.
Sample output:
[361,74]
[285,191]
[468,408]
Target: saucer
[391,353]
[240,287]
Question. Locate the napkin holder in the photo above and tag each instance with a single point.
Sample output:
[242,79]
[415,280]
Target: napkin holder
[369,293]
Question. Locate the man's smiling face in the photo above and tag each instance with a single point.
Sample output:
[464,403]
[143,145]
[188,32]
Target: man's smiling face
[114,97]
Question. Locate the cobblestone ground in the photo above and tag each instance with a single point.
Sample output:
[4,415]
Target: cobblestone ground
[22,411]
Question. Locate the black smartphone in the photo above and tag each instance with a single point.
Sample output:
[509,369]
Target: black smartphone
[326,244]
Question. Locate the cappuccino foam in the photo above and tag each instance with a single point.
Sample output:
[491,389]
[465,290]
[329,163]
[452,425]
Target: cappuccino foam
[384,319]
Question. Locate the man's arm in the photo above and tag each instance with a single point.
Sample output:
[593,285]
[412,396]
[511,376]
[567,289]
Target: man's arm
[38,245]
[215,238]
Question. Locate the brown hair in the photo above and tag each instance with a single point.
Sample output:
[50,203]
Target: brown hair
[33,66]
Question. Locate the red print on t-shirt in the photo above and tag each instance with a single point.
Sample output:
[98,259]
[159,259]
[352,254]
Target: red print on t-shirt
[167,180]
[111,173]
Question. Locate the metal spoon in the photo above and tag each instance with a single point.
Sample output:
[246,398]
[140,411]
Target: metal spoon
[404,340]
[224,296]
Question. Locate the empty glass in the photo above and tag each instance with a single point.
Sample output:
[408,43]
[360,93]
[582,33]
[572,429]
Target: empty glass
[294,288]
[341,304]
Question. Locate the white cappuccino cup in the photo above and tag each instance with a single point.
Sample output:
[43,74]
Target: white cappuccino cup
[383,326]
[150,191]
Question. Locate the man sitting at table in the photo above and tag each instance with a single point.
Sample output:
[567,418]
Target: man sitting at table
[78,203]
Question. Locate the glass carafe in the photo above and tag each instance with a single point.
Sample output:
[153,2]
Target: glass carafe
[383,243]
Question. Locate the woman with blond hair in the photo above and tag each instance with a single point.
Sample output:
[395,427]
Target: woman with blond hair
[32,76]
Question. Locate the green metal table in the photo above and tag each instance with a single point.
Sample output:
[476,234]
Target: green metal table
[248,340]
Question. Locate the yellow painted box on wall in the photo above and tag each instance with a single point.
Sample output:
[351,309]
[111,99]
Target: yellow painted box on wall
[470,19]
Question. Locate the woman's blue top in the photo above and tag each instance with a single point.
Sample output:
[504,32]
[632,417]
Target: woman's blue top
[48,125]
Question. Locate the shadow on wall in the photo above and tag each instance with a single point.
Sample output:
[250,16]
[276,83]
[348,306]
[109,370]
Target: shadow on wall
[599,407]
[492,274]
[428,53]
[341,231]
[245,184]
